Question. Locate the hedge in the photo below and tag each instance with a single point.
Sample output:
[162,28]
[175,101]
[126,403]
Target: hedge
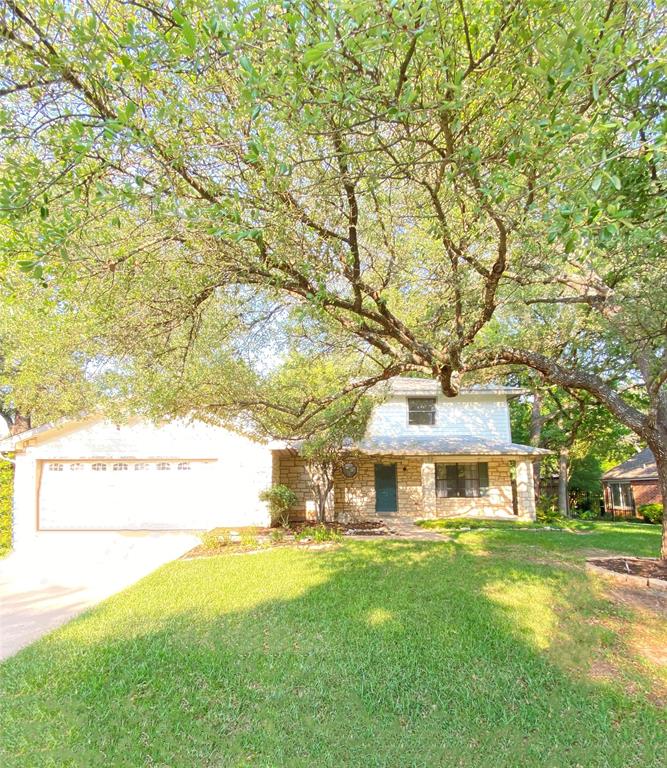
[6,495]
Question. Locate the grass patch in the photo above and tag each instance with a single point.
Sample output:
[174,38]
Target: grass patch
[456,523]
[373,653]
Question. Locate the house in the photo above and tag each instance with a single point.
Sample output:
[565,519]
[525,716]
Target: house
[629,485]
[426,455]
[423,455]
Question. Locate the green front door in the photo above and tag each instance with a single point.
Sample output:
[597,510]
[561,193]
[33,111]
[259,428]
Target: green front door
[385,488]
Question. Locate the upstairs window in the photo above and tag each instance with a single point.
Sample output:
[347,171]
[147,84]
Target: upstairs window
[56,467]
[120,466]
[462,480]
[183,465]
[99,467]
[421,410]
[164,465]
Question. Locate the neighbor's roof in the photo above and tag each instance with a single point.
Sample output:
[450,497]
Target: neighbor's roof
[404,385]
[641,466]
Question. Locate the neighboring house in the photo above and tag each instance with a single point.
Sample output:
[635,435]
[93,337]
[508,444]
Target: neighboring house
[427,455]
[423,455]
[631,484]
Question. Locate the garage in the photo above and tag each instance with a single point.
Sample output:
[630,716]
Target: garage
[118,494]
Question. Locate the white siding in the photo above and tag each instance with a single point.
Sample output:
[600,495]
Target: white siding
[483,416]
[237,469]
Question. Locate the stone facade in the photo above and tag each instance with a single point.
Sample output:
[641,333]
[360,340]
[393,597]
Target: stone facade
[354,498]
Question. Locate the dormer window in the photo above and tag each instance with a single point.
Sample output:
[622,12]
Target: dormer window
[421,410]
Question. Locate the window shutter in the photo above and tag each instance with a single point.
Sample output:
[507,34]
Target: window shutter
[483,473]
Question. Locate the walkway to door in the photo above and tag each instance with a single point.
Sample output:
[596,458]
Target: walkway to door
[405,528]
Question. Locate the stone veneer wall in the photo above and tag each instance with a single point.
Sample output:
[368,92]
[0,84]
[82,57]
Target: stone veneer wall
[354,498]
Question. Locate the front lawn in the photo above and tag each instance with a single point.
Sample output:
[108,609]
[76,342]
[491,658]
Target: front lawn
[495,649]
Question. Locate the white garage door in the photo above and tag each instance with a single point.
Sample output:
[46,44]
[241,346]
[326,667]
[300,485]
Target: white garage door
[119,495]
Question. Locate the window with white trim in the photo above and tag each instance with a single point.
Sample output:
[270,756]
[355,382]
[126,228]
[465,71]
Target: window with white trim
[140,466]
[183,465]
[164,465]
[622,496]
[56,467]
[76,466]
[421,410]
[120,466]
[99,466]
[468,480]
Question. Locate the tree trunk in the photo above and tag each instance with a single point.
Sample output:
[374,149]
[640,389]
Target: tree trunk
[563,502]
[536,439]
[17,423]
[324,491]
[659,449]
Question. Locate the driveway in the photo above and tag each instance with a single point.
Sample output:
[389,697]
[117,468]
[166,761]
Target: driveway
[61,574]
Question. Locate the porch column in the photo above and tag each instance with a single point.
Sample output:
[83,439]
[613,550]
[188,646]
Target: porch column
[525,489]
[428,488]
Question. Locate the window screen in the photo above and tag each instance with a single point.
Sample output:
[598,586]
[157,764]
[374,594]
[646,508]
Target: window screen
[421,410]
[462,480]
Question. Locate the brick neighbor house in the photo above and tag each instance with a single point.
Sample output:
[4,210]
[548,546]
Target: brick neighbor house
[631,484]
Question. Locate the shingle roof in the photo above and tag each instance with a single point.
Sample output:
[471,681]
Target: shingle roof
[409,445]
[405,385]
[641,466]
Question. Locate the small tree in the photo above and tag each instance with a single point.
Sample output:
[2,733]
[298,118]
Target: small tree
[326,452]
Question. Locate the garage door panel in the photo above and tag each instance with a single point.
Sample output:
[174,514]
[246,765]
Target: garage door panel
[107,495]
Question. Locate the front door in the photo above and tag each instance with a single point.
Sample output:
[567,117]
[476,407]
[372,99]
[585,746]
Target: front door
[385,488]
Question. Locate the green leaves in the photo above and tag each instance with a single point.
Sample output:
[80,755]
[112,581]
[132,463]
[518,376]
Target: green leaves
[187,30]
[314,54]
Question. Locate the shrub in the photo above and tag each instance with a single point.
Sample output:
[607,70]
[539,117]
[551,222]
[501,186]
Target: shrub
[318,533]
[277,535]
[547,510]
[216,539]
[6,496]
[652,513]
[249,537]
[279,498]
[587,514]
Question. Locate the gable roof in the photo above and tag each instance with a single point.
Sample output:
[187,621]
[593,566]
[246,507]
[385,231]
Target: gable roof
[406,385]
[641,466]
[16,442]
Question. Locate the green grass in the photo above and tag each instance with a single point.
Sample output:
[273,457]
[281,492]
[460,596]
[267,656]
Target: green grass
[561,523]
[483,651]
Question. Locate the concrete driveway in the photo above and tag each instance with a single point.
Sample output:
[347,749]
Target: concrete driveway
[60,574]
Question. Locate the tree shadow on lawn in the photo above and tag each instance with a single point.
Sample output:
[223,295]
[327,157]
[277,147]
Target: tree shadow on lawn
[374,654]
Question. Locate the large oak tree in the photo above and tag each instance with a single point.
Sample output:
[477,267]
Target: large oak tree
[447,186]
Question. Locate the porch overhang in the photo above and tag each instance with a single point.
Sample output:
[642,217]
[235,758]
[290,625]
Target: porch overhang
[444,446]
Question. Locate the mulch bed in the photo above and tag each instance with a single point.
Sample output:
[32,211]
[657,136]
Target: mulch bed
[360,528]
[637,571]
[263,537]
[647,567]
